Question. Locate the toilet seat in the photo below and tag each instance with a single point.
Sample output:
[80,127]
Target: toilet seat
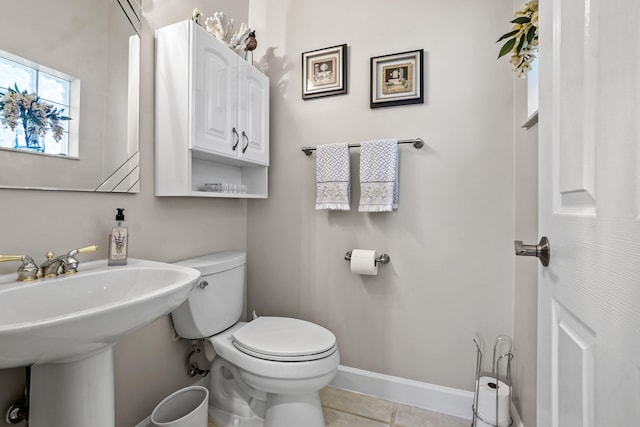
[284,339]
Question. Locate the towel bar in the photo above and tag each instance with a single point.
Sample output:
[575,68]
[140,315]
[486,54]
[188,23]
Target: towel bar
[418,143]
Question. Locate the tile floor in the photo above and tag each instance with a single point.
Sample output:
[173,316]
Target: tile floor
[344,408]
[347,409]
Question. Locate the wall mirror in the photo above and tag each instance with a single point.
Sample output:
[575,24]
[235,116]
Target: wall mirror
[96,45]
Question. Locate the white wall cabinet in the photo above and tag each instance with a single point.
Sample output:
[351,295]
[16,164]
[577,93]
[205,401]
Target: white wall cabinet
[212,117]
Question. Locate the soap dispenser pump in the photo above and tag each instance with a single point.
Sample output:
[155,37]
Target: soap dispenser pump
[118,240]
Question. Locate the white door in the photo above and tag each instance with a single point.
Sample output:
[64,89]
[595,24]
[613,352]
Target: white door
[589,296]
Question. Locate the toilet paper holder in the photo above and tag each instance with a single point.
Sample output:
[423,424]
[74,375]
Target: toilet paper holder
[500,361]
[382,259]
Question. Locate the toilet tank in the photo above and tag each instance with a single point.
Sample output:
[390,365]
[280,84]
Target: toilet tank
[217,302]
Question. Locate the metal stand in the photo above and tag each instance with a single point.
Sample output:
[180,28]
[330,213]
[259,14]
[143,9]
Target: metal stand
[504,361]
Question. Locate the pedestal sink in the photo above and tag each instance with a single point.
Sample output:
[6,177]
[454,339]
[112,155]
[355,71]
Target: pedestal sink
[65,327]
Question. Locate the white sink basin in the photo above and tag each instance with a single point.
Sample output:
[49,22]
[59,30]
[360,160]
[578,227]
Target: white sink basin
[65,328]
[65,318]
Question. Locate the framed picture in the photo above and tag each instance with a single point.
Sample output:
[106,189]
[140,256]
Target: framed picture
[397,79]
[324,72]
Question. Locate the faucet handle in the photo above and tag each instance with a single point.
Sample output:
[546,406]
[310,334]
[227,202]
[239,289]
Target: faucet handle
[70,265]
[84,250]
[27,271]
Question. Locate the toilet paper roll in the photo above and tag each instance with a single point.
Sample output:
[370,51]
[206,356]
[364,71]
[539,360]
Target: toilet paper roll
[363,261]
[487,402]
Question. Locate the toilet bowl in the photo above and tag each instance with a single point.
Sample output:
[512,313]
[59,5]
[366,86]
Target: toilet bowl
[268,371]
[282,393]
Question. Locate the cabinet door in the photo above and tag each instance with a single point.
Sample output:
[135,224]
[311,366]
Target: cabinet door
[214,105]
[253,120]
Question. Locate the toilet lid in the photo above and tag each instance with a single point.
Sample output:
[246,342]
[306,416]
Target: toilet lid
[284,339]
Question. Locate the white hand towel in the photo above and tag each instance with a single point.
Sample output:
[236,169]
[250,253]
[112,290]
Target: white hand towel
[379,176]
[332,177]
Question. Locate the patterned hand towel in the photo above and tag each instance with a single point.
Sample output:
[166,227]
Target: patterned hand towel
[332,177]
[379,176]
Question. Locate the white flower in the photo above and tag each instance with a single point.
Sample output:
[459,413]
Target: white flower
[36,117]
[522,40]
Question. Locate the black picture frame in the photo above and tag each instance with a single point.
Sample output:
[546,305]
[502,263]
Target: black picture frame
[324,72]
[397,79]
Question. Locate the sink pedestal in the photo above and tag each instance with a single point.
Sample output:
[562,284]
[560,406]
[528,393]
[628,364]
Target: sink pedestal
[73,394]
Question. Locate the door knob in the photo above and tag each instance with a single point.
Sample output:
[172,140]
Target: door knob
[542,250]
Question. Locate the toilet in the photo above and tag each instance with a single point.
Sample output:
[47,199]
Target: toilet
[268,372]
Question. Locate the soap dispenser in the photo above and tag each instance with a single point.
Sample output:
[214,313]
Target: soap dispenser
[118,240]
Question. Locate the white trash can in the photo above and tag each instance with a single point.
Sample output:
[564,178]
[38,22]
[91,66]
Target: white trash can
[187,407]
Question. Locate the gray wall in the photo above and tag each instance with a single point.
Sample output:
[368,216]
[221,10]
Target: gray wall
[451,241]
[525,305]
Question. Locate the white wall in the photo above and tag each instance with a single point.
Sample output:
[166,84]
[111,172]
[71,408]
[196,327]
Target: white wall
[451,241]
[149,365]
[526,277]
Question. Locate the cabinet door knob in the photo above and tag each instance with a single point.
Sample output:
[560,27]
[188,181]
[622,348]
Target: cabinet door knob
[244,135]
[235,132]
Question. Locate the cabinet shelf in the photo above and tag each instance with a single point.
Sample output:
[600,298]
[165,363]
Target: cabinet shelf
[226,195]
[205,171]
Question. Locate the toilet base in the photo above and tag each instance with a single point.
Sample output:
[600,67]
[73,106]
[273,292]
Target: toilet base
[294,410]
[225,419]
[281,411]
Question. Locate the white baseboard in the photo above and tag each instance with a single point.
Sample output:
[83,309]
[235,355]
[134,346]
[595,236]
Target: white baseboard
[414,393]
[517,422]
[433,397]
[144,423]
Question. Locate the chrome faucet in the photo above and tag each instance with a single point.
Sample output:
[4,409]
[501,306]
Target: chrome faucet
[67,263]
[27,271]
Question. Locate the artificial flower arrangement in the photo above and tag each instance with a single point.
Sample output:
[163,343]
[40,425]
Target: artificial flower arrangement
[522,40]
[36,116]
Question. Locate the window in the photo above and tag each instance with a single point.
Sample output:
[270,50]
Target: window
[52,88]
[532,96]
[532,89]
